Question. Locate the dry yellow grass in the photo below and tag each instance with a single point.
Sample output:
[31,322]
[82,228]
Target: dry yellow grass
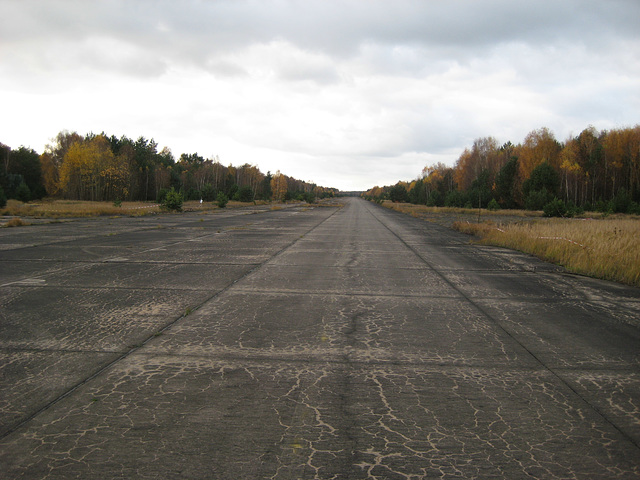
[75,208]
[419,210]
[49,208]
[602,248]
[16,222]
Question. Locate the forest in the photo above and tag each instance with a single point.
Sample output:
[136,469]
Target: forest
[108,168]
[593,171]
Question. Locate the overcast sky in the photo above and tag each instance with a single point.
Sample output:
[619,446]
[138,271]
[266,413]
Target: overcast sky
[347,94]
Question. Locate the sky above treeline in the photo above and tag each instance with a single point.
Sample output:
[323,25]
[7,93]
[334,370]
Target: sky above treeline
[347,94]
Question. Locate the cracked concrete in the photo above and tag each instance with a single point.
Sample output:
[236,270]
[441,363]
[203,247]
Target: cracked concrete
[328,343]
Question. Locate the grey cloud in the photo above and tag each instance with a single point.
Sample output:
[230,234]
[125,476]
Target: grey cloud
[368,79]
[300,66]
[193,31]
[224,68]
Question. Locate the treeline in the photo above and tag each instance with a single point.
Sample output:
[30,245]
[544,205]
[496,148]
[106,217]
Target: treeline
[108,168]
[593,171]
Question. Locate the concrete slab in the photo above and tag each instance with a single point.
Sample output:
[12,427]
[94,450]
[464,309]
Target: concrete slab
[335,280]
[94,319]
[125,273]
[329,328]
[33,378]
[153,416]
[308,342]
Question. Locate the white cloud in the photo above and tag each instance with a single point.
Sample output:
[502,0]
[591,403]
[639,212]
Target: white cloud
[347,94]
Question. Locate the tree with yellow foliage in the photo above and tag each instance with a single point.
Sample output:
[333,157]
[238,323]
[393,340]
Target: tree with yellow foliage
[279,186]
[539,146]
[90,171]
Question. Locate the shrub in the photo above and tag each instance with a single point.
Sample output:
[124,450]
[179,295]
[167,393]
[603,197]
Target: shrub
[23,193]
[3,198]
[162,195]
[222,200]
[173,200]
[117,203]
[493,205]
[573,210]
[231,191]
[537,199]
[555,208]
[15,222]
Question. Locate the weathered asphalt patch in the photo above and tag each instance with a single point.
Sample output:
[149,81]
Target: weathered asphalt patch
[153,416]
[309,343]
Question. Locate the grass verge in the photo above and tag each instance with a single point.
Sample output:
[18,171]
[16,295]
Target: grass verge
[596,245]
[50,208]
[75,208]
[422,210]
[79,208]
[606,248]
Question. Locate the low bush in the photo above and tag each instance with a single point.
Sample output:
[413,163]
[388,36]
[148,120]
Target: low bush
[23,193]
[537,199]
[162,195]
[573,210]
[16,222]
[173,200]
[555,208]
[308,197]
[222,200]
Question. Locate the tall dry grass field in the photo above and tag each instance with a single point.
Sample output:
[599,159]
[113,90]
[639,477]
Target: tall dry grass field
[422,210]
[418,210]
[602,248]
[49,208]
[75,208]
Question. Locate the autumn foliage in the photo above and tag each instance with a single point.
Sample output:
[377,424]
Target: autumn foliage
[90,171]
[593,170]
[279,186]
[108,168]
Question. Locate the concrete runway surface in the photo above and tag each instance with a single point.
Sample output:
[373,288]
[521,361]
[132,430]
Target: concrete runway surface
[307,342]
